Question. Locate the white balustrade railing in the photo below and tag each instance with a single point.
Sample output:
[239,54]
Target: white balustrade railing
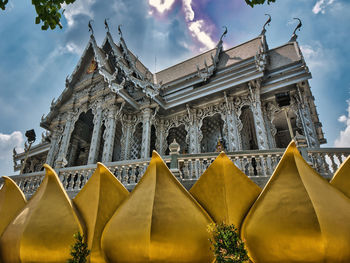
[252,163]
[255,164]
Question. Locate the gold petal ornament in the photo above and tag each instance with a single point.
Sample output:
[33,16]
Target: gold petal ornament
[341,178]
[225,192]
[43,231]
[12,201]
[298,217]
[159,222]
[96,203]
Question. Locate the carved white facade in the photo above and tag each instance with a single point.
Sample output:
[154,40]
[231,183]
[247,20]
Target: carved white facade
[113,108]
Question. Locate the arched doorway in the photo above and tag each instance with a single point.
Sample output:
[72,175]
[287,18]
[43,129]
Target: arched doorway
[248,134]
[80,140]
[117,145]
[135,151]
[212,130]
[283,137]
[153,140]
[179,134]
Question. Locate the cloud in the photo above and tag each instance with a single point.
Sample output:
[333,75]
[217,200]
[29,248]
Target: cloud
[197,29]
[81,7]
[7,143]
[189,13]
[161,5]
[343,139]
[317,57]
[200,29]
[321,5]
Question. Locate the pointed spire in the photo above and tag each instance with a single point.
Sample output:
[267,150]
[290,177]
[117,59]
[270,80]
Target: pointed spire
[266,23]
[295,36]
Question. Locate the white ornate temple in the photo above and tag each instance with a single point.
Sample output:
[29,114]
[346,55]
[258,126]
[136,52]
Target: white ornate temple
[113,109]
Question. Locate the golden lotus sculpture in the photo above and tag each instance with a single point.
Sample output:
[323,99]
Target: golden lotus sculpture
[225,192]
[159,222]
[96,203]
[43,231]
[341,178]
[298,217]
[12,201]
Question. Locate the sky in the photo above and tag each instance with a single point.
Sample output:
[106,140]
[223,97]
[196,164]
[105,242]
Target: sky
[34,63]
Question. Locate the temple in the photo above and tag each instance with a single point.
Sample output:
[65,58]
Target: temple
[247,99]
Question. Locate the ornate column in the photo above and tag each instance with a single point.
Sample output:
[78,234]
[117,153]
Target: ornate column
[109,134]
[55,138]
[96,134]
[305,117]
[232,135]
[127,135]
[260,129]
[270,110]
[68,128]
[194,132]
[161,144]
[146,132]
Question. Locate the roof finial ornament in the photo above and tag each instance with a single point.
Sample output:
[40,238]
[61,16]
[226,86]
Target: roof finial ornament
[223,34]
[106,24]
[120,31]
[266,23]
[295,36]
[90,27]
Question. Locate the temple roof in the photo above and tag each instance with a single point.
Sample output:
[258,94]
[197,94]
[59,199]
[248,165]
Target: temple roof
[227,58]
[188,80]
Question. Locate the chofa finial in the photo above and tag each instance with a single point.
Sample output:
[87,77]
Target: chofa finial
[266,23]
[106,24]
[223,34]
[120,30]
[295,36]
[90,27]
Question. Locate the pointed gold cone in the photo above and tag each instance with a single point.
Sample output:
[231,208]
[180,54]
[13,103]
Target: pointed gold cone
[96,203]
[298,217]
[43,231]
[159,222]
[225,192]
[341,178]
[12,201]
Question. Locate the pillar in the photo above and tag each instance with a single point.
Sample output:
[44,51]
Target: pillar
[126,140]
[53,147]
[146,132]
[161,144]
[232,129]
[259,123]
[305,117]
[194,132]
[68,128]
[96,135]
[109,135]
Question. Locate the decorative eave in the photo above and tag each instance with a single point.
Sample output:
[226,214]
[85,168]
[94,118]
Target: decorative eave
[149,88]
[103,69]
[207,72]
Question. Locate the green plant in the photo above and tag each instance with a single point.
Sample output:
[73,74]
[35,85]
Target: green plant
[227,245]
[79,251]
